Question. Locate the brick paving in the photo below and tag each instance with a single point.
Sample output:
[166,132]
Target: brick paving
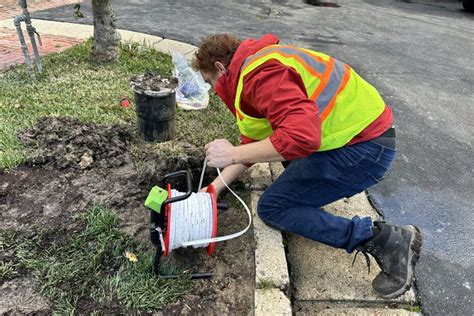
[10,48]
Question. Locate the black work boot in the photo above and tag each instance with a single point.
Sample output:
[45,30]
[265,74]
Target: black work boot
[396,250]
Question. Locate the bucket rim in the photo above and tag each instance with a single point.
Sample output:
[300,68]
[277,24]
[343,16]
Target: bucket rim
[162,93]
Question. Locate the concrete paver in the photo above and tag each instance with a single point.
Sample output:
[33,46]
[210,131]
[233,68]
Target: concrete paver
[261,176]
[271,268]
[321,273]
[190,55]
[140,37]
[271,302]
[324,274]
[357,311]
[270,257]
[169,46]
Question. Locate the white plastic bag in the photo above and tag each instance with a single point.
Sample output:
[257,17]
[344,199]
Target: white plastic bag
[192,92]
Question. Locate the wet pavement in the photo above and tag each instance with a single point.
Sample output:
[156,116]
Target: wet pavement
[419,55]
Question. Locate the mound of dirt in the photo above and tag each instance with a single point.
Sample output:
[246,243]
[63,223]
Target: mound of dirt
[90,163]
[68,143]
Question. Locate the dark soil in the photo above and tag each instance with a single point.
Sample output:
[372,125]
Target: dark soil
[151,83]
[73,165]
[67,143]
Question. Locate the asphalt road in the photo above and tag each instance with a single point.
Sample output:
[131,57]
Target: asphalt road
[419,54]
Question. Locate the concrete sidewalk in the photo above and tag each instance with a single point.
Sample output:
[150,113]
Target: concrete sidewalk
[318,279]
[322,280]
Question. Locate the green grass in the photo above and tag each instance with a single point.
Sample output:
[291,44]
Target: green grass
[7,244]
[265,284]
[74,85]
[7,270]
[89,264]
[415,308]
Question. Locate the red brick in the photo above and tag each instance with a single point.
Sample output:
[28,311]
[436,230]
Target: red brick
[11,52]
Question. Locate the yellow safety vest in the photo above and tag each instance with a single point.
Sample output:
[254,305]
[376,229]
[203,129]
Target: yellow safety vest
[347,103]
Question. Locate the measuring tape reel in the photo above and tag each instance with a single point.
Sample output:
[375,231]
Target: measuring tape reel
[183,219]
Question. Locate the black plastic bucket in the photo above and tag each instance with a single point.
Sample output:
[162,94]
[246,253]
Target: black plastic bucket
[156,116]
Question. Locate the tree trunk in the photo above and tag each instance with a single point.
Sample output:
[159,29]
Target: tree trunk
[106,39]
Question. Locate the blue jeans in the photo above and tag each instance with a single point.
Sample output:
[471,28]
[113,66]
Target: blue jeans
[292,203]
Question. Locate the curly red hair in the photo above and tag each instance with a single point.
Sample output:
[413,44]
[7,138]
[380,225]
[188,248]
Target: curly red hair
[217,47]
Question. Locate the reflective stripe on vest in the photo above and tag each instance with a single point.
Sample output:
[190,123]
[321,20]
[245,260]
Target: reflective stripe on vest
[347,103]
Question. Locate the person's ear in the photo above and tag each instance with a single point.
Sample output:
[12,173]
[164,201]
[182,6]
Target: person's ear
[220,67]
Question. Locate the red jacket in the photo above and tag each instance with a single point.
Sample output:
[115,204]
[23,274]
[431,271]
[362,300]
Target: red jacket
[277,92]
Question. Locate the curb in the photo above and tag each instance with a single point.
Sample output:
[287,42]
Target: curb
[83,31]
[271,268]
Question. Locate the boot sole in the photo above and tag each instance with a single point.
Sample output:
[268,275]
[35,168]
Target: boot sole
[416,242]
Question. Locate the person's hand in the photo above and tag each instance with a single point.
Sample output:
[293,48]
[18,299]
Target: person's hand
[205,191]
[219,153]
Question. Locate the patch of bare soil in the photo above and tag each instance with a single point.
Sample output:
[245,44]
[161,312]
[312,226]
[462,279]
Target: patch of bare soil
[19,297]
[73,165]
